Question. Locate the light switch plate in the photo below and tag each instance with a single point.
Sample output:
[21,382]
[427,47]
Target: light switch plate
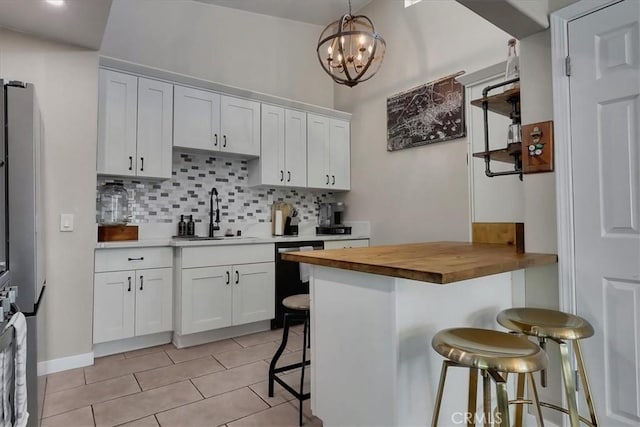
[66,222]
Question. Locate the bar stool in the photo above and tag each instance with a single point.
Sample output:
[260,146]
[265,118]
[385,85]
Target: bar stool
[299,311]
[559,327]
[493,353]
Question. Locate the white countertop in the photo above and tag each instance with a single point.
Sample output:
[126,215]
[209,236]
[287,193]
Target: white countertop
[225,241]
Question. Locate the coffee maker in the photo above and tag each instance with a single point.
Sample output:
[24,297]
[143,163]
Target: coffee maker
[330,219]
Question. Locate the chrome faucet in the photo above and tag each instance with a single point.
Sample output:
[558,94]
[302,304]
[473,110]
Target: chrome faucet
[214,227]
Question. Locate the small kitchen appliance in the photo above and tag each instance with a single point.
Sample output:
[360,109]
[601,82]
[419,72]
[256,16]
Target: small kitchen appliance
[330,219]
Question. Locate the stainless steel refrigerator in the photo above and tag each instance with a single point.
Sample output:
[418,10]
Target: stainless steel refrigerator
[22,140]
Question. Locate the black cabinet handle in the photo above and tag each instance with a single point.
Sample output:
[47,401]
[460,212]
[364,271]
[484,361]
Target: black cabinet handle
[237,277]
[215,137]
[224,140]
[129,278]
[327,179]
[136,259]
[333,182]
[228,278]
[141,164]
[281,176]
[288,176]
[141,282]
[130,162]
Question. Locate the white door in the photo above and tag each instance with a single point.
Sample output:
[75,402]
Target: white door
[206,298]
[155,128]
[340,162]
[253,292]
[153,301]
[318,151]
[196,119]
[113,306]
[296,148]
[605,115]
[117,121]
[272,152]
[240,124]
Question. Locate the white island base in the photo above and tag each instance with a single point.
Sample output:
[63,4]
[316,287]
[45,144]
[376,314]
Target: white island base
[373,364]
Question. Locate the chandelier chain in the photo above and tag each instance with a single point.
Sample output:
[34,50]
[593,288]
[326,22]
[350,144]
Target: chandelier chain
[349,7]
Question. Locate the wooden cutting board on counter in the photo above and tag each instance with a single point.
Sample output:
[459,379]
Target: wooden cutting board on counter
[287,211]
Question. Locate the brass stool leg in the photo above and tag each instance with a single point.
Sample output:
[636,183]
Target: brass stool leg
[438,403]
[585,382]
[520,396]
[501,418]
[473,396]
[569,385]
[533,391]
[486,398]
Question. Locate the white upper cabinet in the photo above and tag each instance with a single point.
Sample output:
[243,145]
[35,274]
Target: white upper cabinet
[328,160]
[196,119]
[134,126]
[208,121]
[283,156]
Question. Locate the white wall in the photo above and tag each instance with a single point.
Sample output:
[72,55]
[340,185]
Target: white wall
[416,194]
[65,78]
[237,48]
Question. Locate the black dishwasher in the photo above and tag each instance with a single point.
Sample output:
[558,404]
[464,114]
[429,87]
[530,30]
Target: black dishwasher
[288,276]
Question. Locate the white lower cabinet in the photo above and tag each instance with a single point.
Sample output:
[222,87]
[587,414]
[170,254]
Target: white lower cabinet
[344,244]
[216,296]
[133,302]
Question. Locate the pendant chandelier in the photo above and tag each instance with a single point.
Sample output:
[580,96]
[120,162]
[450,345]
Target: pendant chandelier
[350,50]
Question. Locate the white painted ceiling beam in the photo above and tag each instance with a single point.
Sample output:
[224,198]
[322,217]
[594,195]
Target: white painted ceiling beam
[520,18]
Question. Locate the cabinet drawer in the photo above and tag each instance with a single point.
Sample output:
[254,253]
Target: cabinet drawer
[209,256]
[133,259]
[341,244]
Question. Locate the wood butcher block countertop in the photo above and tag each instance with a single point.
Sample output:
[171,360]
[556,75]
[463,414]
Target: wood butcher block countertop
[438,262]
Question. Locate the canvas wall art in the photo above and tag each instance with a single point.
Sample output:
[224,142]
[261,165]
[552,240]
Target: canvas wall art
[427,114]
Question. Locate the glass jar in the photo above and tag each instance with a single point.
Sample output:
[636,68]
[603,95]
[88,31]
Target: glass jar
[113,205]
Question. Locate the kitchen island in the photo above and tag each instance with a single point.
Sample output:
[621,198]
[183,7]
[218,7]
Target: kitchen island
[374,312]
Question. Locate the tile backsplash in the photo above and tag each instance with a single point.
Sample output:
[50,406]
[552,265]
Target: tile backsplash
[187,192]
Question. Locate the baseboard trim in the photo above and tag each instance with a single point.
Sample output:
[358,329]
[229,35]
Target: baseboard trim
[65,363]
[182,341]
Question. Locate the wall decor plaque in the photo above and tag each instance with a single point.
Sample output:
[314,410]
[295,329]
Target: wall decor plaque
[433,112]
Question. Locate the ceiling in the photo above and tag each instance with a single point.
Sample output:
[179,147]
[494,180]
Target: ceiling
[319,12]
[78,22]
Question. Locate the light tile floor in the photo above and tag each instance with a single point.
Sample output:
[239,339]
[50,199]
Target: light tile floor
[217,384]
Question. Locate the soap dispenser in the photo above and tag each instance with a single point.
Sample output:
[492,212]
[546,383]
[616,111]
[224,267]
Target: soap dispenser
[182,227]
[191,226]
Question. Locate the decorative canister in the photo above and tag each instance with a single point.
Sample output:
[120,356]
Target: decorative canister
[113,205]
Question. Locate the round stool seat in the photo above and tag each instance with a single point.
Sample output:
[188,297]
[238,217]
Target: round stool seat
[543,323]
[297,302]
[488,349]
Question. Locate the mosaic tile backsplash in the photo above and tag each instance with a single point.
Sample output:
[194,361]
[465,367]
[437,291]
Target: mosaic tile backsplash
[187,193]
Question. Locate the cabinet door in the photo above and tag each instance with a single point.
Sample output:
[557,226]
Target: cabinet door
[253,292]
[341,244]
[296,148]
[318,151]
[240,124]
[340,163]
[155,128]
[117,121]
[272,151]
[196,119]
[206,298]
[153,301]
[113,306]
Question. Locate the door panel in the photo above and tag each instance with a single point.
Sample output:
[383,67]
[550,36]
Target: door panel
[117,121]
[154,307]
[272,150]
[113,306]
[196,119]
[296,148]
[253,292]
[155,128]
[206,298]
[240,121]
[605,88]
